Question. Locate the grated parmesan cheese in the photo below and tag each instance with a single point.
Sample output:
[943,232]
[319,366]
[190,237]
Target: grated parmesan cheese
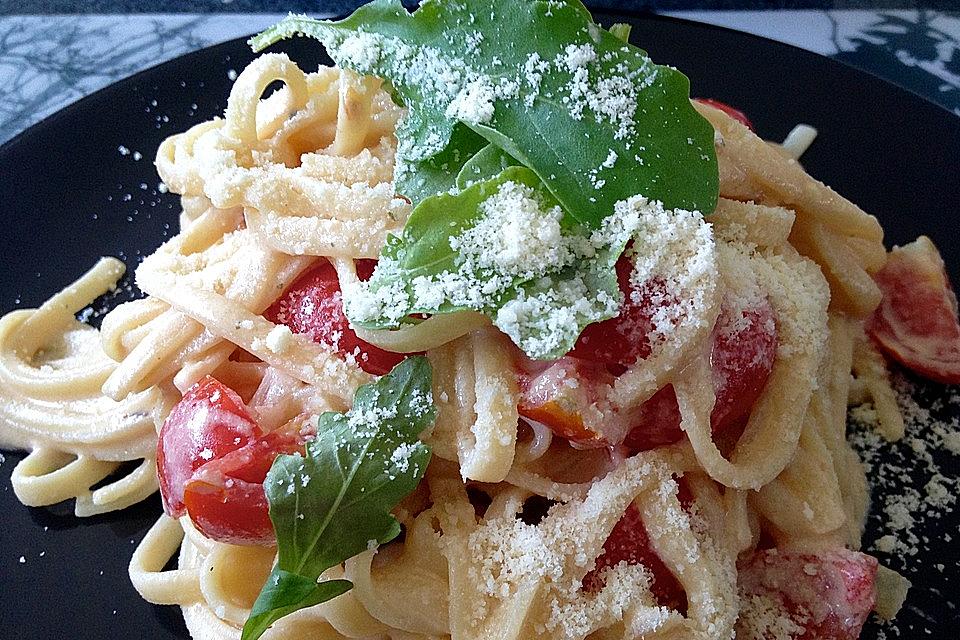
[361,48]
[576,56]
[507,555]
[474,102]
[279,339]
[762,616]
[675,265]
[401,456]
[908,481]
[516,238]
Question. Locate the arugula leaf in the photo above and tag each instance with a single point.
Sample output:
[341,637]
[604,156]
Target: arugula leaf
[621,31]
[439,173]
[285,593]
[487,163]
[455,254]
[593,117]
[335,502]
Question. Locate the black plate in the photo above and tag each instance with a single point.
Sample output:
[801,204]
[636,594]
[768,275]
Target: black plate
[68,196]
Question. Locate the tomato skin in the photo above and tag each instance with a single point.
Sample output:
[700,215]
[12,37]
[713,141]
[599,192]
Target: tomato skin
[559,394]
[629,542]
[741,359]
[744,348]
[563,422]
[622,340]
[830,595]
[225,498]
[733,112]
[656,424]
[209,422]
[235,515]
[212,459]
[313,305]
[916,322]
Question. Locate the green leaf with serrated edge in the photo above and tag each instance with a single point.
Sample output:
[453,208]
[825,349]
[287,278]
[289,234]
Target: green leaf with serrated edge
[284,593]
[593,117]
[586,291]
[335,501]
[487,163]
[438,173]
[621,31]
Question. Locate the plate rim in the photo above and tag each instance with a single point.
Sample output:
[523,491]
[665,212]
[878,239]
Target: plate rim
[68,109]
[639,14]
[14,145]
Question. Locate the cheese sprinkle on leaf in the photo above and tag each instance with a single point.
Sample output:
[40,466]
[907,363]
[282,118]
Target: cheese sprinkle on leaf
[329,505]
[530,133]
[502,247]
[541,81]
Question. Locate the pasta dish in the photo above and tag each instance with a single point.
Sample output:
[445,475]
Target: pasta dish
[487,331]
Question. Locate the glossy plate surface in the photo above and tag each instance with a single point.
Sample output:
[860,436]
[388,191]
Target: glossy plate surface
[72,189]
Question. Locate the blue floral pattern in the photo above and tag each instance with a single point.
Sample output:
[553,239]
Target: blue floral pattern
[917,49]
[47,62]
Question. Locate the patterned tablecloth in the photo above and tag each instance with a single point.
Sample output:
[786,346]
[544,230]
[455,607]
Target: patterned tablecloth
[48,61]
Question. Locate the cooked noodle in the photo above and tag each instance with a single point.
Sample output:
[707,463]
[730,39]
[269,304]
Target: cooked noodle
[305,175]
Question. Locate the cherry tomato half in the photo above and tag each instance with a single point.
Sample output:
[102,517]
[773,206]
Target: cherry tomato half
[733,112]
[629,542]
[560,394]
[916,322]
[209,422]
[212,458]
[829,594]
[742,359]
[622,340]
[225,498]
[313,305]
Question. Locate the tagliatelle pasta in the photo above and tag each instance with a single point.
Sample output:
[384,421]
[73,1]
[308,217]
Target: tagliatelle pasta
[515,529]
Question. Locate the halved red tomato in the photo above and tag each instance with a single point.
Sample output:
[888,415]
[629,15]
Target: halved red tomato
[733,112]
[628,542]
[559,395]
[313,305]
[209,422]
[742,359]
[225,498]
[624,339]
[212,458]
[829,595]
[656,424]
[916,323]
